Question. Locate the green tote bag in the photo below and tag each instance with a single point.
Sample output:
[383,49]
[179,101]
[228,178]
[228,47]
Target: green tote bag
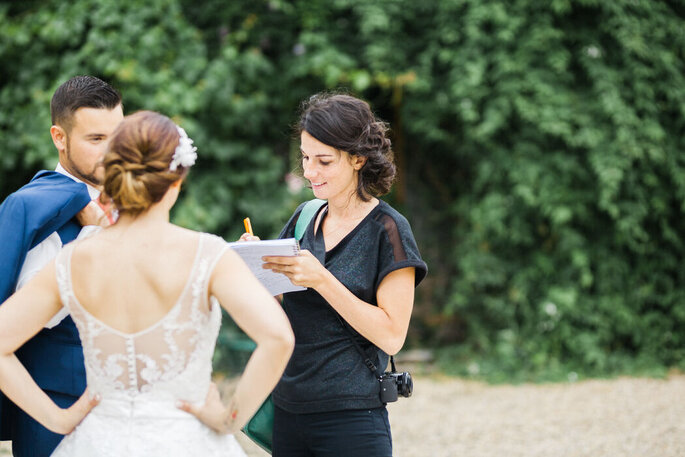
[260,428]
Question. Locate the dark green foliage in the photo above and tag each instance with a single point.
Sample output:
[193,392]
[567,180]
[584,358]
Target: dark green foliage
[566,216]
[540,146]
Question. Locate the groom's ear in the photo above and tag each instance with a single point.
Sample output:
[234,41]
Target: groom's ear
[59,138]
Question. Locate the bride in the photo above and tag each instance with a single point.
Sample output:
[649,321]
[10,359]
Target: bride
[145,297]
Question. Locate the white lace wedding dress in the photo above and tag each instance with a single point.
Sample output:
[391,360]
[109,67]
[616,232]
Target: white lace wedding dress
[141,376]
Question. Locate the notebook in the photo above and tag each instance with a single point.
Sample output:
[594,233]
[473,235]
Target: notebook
[252,253]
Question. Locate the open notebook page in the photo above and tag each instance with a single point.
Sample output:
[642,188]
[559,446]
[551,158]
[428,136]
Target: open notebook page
[252,253]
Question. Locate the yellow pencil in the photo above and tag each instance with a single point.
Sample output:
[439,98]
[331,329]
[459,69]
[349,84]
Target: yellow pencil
[248,225]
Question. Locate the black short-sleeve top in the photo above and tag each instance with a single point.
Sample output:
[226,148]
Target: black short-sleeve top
[326,372]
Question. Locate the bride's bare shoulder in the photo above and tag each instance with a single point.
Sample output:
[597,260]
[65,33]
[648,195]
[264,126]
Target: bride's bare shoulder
[165,241]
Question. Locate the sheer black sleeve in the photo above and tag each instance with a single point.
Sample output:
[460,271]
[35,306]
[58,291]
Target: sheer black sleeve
[398,248]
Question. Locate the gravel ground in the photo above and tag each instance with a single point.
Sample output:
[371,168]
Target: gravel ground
[626,417]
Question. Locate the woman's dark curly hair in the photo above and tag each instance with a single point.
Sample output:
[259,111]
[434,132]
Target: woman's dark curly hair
[347,124]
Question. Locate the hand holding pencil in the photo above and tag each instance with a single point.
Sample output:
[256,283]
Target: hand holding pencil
[249,234]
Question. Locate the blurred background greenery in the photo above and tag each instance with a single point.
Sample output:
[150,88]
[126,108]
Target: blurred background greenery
[540,148]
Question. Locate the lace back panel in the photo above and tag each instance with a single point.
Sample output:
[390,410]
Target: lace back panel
[172,357]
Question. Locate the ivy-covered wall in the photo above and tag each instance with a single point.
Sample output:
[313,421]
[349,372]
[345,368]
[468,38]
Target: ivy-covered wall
[541,145]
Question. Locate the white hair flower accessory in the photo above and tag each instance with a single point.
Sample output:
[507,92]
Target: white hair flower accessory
[184,155]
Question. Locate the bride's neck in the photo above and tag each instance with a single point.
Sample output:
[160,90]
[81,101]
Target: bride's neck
[157,214]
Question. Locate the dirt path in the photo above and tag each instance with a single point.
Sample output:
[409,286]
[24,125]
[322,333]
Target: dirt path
[617,418]
[626,417]
[450,417]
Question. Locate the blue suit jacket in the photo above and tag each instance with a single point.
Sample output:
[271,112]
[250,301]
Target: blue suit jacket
[46,205]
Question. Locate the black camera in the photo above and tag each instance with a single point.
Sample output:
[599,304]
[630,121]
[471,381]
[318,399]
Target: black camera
[394,384]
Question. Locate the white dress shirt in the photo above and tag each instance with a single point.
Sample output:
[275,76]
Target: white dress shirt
[47,250]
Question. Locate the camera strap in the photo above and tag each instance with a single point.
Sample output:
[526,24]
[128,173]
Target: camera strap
[367,361]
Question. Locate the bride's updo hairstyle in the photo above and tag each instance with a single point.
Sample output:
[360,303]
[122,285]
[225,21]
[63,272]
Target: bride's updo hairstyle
[347,124]
[140,151]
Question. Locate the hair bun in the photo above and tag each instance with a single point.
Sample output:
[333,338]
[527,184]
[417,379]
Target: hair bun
[131,195]
[137,171]
[134,168]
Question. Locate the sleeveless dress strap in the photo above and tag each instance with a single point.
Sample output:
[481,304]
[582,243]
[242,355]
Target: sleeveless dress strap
[63,273]
[214,248]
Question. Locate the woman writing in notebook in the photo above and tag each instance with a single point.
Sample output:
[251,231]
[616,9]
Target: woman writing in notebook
[360,264]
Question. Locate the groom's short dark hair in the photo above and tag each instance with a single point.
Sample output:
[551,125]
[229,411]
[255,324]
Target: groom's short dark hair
[81,92]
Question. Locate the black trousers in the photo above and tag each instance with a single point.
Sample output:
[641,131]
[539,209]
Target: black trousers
[351,433]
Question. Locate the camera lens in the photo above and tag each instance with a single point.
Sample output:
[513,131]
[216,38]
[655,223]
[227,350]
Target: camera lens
[405,385]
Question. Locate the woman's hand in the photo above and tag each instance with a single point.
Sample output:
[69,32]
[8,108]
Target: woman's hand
[212,413]
[67,419]
[304,270]
[248,237]
[94,214]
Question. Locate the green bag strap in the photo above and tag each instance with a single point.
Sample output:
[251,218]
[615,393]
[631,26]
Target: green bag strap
[309,210]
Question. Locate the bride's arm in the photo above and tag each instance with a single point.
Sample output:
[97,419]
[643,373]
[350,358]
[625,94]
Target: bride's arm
[263,320]
[22,316]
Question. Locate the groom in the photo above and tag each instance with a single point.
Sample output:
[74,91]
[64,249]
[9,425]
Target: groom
[35,222]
